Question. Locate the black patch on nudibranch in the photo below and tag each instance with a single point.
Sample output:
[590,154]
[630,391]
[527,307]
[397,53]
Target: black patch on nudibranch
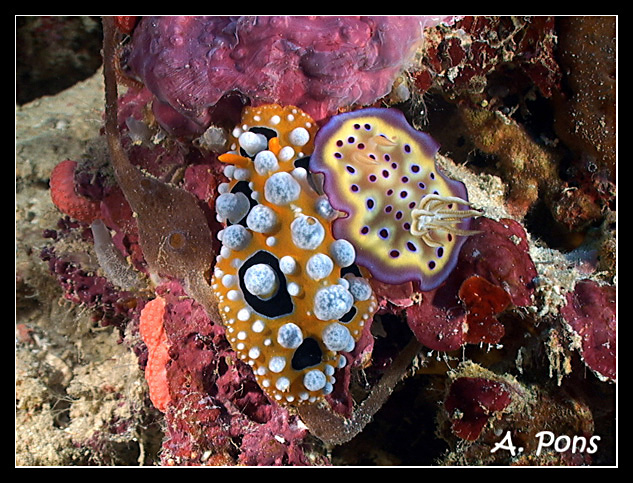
[349,315]
[242,187]
[304,163]
[266,131]
[308,354]
[353,269]
[279,304]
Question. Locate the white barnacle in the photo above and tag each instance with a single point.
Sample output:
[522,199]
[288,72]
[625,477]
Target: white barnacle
[433,214]
[214,139]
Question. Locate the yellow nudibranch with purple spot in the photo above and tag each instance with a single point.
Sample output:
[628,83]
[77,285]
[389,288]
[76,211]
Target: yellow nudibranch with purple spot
[405,218]
[291,296]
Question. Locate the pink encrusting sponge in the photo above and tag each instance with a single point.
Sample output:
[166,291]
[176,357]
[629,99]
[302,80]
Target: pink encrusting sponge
[317,63]
[405,218]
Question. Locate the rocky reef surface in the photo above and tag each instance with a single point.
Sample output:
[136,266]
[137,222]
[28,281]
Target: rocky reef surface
[516,363]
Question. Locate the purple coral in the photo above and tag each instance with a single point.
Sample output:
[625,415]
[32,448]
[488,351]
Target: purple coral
[318,64]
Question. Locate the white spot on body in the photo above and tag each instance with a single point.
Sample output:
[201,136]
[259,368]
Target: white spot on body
[307,232]
[359,288]
[299,136]
[336,337]
[294,289]
[282,384]
[232,206]
[236,237]
[265,162]
[261,219]
[277,364]
[324,208]
[314,380]
[287,265]
[261,280]
[343,252]
[252,142]
[290,336]
[319,266]
[332,302]
[286,153]
[281,189]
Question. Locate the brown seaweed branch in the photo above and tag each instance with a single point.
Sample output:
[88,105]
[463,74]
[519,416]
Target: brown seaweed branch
[173,230]
[334,429]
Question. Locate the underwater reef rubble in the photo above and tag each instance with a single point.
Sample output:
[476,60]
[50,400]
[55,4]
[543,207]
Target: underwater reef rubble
[518,338]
